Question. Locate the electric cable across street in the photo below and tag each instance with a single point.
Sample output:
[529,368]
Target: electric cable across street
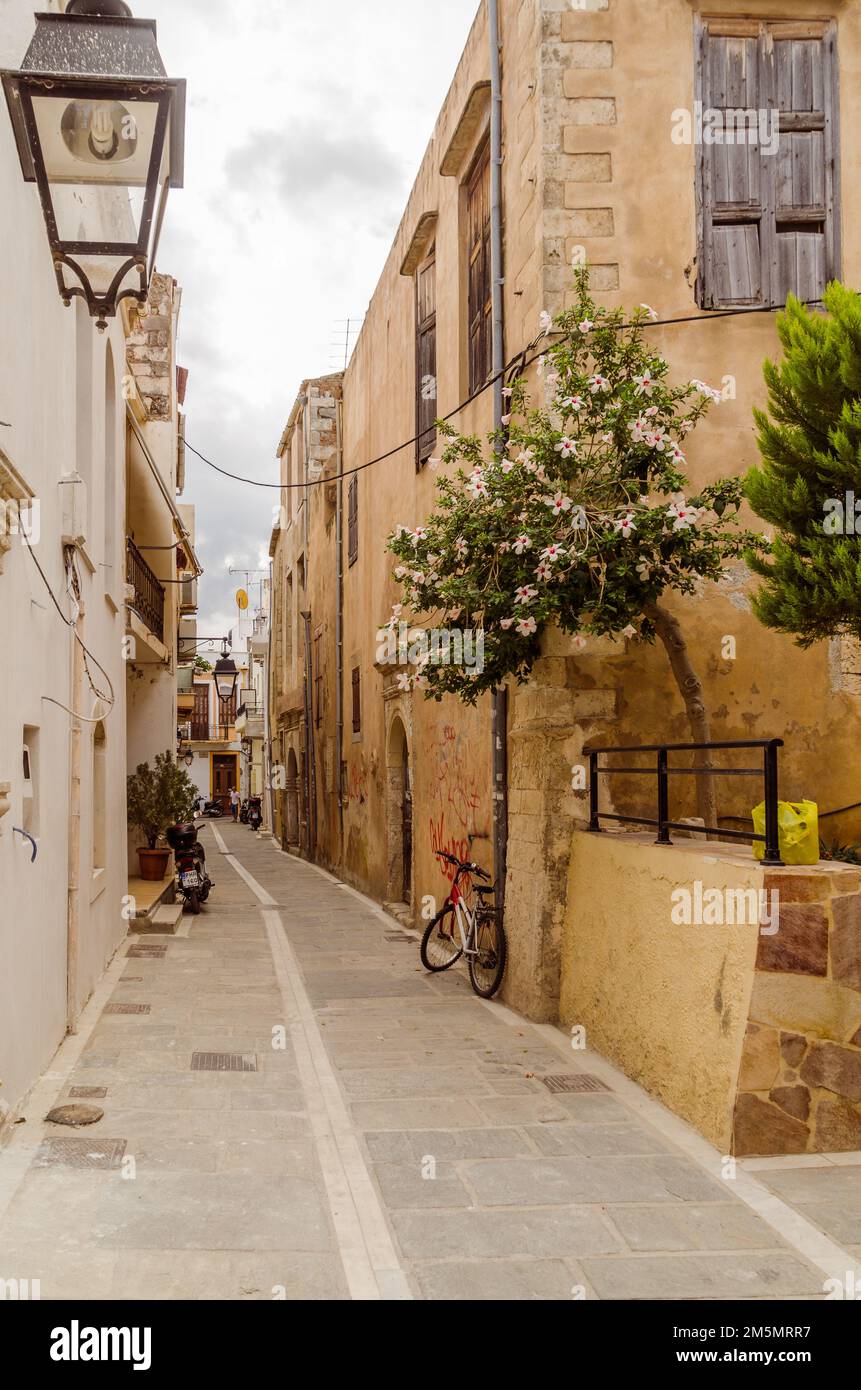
[519,362]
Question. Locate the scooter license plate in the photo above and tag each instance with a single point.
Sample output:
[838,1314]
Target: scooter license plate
[190,879]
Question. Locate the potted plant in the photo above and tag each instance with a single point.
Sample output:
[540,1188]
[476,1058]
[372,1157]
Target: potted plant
[158,797]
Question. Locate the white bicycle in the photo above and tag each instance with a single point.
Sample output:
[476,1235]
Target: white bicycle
[481,934]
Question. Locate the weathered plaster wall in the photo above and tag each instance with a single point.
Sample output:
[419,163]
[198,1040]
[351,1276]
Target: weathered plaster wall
[668,1004]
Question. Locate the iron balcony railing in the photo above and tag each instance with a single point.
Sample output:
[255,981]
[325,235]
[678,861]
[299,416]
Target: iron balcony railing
[663,772]
[148,601]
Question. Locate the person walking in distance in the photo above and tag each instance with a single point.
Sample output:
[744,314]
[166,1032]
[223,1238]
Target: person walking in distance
[234,802]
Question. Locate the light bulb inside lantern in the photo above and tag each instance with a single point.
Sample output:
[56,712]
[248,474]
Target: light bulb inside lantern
[99,131]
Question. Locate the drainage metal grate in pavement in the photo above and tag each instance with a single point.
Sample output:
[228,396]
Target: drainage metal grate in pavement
[128,1008]
[80,1153]
[87,1092]
[146,953]
[574,1081]
[223,1061]
[399,936]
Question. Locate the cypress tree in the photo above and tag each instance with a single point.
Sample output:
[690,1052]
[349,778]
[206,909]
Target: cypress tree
[810,477]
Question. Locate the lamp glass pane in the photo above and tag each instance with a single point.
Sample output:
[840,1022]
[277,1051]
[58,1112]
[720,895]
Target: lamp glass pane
[96,141]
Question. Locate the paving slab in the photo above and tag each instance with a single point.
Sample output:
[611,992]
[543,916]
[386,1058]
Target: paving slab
[404,1125]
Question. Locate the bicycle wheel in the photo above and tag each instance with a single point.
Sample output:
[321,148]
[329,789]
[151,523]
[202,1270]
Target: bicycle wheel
[487,966]
[440,943]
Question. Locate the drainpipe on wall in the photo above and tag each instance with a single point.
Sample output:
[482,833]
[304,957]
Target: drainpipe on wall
[339,618]
[310,752]
[500,697]
[74,865]
[267,732]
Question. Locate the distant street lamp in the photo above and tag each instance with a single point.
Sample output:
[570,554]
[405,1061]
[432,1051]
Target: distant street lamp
[92,108]
[226,675]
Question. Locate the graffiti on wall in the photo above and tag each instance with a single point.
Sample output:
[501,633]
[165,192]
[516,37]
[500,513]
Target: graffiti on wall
[455,796]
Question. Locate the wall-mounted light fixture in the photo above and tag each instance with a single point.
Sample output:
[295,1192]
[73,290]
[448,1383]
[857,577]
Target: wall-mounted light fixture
[93,109]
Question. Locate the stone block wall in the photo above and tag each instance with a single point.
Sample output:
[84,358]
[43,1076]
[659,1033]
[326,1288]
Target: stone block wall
[149,350]
[799,1087]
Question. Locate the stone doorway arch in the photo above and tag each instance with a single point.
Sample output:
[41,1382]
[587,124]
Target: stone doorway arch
[291,796]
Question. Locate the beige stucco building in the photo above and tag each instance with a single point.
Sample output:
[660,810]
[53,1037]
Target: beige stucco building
[89,449]
[595,164]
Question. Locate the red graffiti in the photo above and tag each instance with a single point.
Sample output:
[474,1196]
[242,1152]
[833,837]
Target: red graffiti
[451,845]
[455,786]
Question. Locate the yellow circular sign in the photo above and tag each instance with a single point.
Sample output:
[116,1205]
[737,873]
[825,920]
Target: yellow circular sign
[241,600]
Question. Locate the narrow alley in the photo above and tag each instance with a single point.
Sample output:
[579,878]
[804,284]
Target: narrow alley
[379,1134]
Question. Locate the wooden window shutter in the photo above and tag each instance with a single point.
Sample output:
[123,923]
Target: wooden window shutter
[357,700]
[769,220]
[426,386]
[804,251]
[353,521]
[480,286]
[734,198]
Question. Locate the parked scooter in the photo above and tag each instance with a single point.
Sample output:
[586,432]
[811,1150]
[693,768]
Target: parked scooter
[192,878]
[243,813]
[213,809]
[255,812]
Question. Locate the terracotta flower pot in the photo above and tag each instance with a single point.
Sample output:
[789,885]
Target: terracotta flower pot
[153,864]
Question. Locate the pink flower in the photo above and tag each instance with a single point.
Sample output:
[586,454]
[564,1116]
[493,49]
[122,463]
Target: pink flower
[525,594]
[650,313]
[504,547]
[508,392]
[506,419]
[419,534]
[586,326]
[644,384]
[682,516]
[625,526]
[578,643]
[553,552]
[506,623]
[567,448]
[527,626]
[545,322]
[522,543]
[598,383]
[638,429]
[544,571]
[573,403]
[559,504]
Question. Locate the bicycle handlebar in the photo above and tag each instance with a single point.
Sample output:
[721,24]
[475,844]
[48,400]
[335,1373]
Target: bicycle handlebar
[460,864]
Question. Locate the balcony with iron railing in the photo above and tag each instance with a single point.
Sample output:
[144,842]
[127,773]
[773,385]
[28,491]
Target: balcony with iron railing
[148,596]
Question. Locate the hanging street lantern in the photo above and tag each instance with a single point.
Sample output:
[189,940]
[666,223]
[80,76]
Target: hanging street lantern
[226,675]
[100,130]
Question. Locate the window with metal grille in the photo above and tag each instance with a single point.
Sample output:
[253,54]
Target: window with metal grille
[480,289]
[353,520]
[426,388]
[768,161]
[357,700]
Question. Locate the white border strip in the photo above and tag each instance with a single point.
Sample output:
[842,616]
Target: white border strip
[371,1265]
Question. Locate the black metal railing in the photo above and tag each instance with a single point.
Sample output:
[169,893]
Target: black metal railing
[663,772]
[148,601]
[200,732]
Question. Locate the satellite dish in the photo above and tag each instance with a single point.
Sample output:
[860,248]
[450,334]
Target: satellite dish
[241,600]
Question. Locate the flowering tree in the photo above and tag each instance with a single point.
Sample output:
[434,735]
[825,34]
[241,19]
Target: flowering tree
[578,516]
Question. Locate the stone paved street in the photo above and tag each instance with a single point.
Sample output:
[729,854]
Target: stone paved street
[395,1141]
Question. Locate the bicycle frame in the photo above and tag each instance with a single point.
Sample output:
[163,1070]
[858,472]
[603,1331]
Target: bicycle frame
[462,911]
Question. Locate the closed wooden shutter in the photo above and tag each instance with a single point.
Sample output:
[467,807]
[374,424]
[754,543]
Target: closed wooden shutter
[357,700]
[770,219]
[353,520]
[426,388]
[480,288]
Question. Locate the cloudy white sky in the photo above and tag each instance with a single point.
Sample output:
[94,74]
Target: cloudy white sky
[306,126]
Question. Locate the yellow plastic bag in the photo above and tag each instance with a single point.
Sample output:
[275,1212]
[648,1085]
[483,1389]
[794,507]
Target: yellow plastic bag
[798,831]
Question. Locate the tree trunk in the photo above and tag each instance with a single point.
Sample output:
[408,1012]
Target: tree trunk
[691,688]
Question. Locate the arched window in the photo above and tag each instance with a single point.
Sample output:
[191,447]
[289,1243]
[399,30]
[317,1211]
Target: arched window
[100,759]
